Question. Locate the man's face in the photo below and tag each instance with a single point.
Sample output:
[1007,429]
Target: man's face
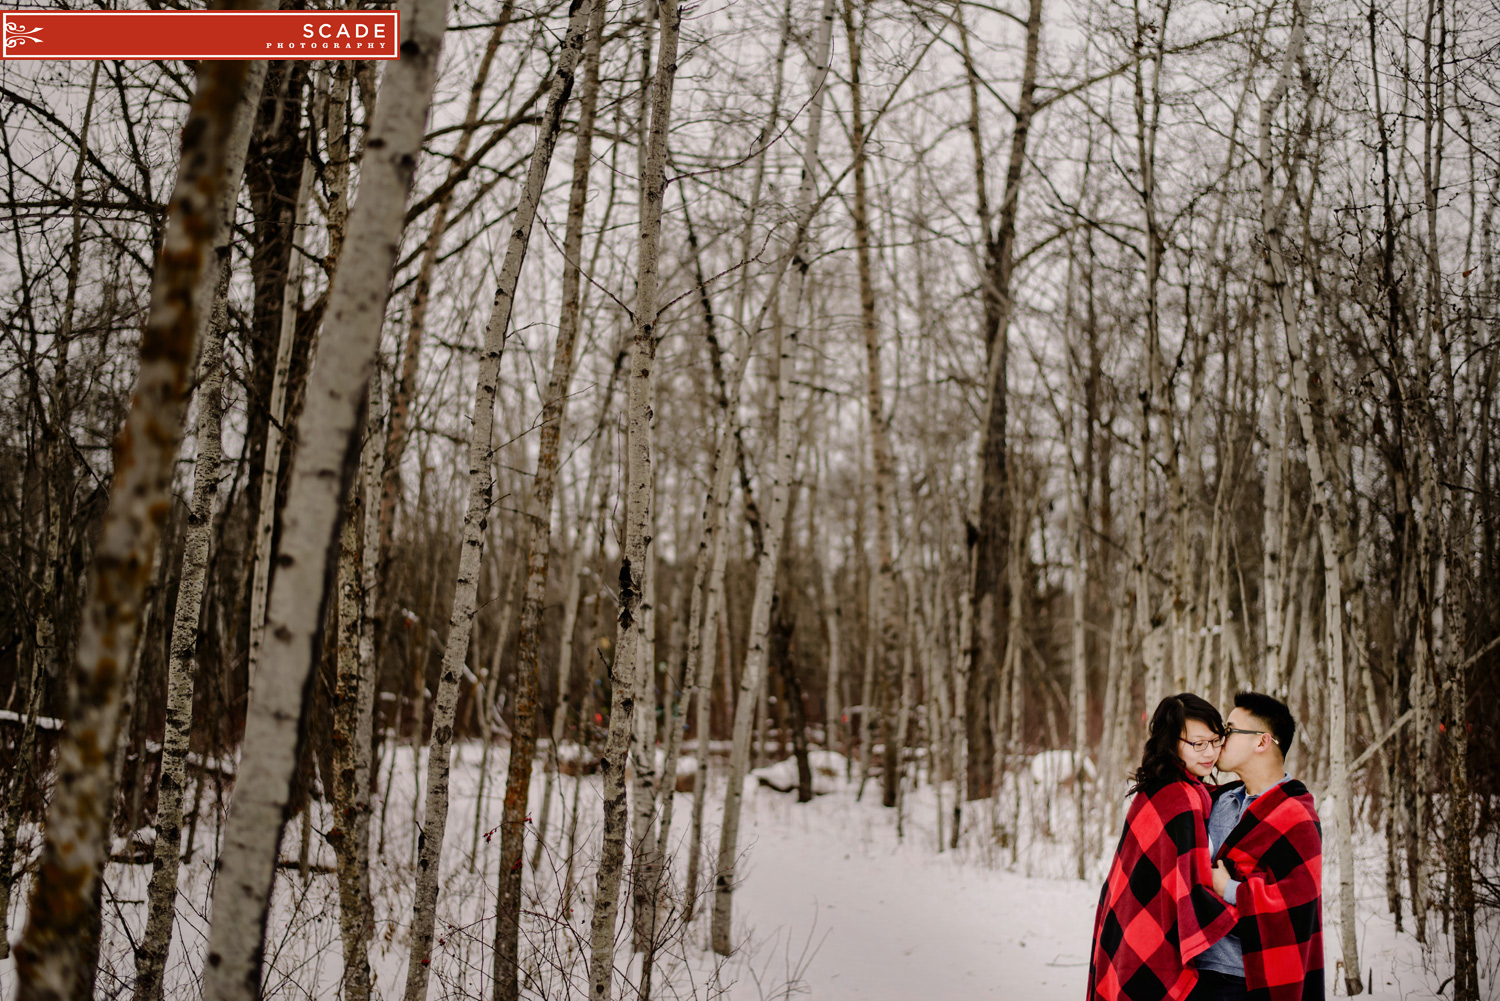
[1240,747]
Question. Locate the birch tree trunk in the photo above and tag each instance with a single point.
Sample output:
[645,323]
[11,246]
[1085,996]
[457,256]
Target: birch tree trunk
[1013,709]
[353,705]
[709,655]
[1272,572]
[833,615]
[714,539]
[1078,689]
[907,693]
[753,673]
[1326,500]
[635,557]
[539,514]
[480,499]
[781,474]
[867,684]
[1461,817]
[887,626]
[598,463]
[935,691]
[265,518]
[487,687]
[52,959]
[182,670]
[961,613]
[676,708]
[707,652]
[988,517]
[1116,701]
[1156,391]
[320,473]
[645,859]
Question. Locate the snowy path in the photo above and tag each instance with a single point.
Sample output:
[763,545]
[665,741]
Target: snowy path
[908,923]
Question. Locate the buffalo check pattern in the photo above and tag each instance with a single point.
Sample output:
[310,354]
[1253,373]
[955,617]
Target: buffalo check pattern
[1158,909]
[1276,851]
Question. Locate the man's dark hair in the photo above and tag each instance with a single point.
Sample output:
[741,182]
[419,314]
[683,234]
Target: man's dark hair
[1273,713]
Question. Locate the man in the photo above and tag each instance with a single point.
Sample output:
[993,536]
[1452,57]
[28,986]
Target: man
[1267,846]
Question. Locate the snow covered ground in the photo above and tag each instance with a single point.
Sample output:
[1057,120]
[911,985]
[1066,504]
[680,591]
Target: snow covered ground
[832,905]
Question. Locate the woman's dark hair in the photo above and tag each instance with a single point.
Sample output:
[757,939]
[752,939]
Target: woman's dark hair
[1161,763]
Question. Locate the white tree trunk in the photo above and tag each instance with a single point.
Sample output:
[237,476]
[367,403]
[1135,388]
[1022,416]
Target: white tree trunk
[1078,690]
[935,692]
[1116,707]
[960,612]
[675,707]
[781,473]
[320,471]
[726,458]
[265,517]
[643,729]
[645,861]
[53,959]
[486,687]
[480,499]
[833,616]
[537,531]
[1328,504]
[353,708]
[182,668]
[1272,572]
[708,636]
[907,697]
[598,462]
[636,557]
[887,626]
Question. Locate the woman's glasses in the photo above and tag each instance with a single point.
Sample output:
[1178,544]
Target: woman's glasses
[1203,745]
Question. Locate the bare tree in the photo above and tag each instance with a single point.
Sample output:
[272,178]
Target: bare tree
[887,628]
[183,668]
[988,515]
[639,483]
[315,500]
[781,474]
[1325,499]
[539,531]
[353,706]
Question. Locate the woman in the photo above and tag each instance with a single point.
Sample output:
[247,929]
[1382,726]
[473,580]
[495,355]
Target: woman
[1158,909]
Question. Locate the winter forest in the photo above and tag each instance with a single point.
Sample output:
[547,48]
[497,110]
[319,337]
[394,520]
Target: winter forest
[467,520]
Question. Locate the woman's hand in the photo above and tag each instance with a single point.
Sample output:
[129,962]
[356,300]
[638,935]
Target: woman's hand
[1221,877]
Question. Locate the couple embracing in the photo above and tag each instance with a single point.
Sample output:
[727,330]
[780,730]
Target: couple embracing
[1215,893]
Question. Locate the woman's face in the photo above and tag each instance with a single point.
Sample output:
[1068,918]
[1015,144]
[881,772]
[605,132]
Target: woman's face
[1199,760]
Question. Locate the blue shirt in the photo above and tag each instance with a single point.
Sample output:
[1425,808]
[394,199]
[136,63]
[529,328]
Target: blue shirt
[1226,956]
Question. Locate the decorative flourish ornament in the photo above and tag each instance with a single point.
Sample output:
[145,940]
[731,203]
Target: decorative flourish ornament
[16,35]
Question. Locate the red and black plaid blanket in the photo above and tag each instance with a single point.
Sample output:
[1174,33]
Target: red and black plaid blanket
[1276,851]
[1158,909]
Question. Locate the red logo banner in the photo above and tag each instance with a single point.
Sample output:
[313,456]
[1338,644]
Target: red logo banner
[200,34]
